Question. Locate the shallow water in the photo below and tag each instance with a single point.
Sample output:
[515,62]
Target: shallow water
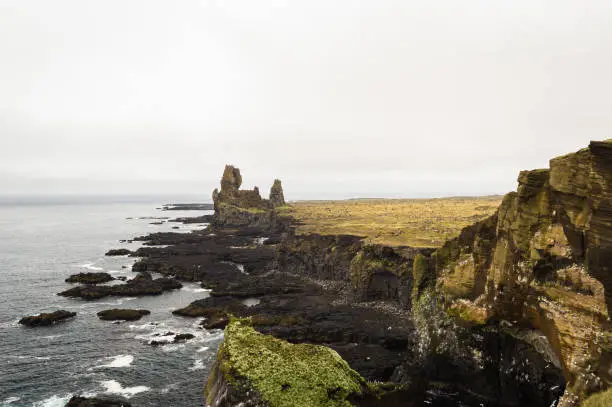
[42,244]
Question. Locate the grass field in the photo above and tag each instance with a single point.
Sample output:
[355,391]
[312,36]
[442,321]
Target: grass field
[393,222]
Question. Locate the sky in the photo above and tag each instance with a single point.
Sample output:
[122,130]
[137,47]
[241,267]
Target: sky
[339,99]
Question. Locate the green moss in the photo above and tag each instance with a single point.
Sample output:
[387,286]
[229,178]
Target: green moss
[419,268]
[284,374]
[603,399]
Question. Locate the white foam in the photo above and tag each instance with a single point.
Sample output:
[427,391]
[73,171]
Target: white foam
[118,361]
[203,349]
[198,364]
[53,401]
[90,266]
[11,400]
[196,289]
[114,387]
[42,357]
[251,302]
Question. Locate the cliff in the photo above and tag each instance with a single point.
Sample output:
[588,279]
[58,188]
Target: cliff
[513,311]
[539,268]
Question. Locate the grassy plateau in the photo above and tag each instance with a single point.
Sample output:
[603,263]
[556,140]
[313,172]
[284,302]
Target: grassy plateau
[393,222]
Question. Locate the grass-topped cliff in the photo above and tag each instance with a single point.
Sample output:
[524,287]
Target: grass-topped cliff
[392,222]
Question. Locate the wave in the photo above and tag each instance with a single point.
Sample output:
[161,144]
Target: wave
[196,290]
[198,364]
[53,401]
[117,361]
[90,266]
[203,349]
[114,387]
[10,400]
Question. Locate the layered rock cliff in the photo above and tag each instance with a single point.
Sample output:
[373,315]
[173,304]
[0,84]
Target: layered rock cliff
[512,312]
[539,269]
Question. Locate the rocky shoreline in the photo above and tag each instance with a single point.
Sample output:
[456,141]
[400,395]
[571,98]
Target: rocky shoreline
[485,320]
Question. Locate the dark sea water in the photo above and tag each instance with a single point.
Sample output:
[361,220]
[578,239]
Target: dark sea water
[41,244]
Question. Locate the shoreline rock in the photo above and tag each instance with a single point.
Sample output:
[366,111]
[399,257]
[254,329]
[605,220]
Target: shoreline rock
[46,319]
[122,314]
[118,252]
[105,401]
[90,278]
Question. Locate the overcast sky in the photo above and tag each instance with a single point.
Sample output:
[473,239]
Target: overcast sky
[337,98]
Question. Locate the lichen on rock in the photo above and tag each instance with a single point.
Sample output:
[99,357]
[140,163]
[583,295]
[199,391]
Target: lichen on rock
[260,370]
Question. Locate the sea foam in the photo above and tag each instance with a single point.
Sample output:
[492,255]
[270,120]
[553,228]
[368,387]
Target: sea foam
[118,361]
[114,387]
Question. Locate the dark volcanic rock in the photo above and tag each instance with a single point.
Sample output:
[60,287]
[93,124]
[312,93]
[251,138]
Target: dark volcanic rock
[117,314]
[183,337]
[136,287]
[277,198]
[90,278]
[46,319]
[78,401]
[118,252]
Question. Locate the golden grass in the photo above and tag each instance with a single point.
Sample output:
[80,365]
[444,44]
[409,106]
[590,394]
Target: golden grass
[393,222]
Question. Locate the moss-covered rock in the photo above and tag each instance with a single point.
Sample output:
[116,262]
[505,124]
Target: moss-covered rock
[260,370]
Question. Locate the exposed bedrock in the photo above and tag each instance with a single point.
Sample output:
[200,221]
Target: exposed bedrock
[46,319]
[106,401]
[541,263]
[90,278]
[120,314]
[142,284]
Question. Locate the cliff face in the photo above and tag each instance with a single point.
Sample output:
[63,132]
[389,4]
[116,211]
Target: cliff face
[541,264]
[514,311]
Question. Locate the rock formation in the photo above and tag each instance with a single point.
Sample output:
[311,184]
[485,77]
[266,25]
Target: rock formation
[244,207]
[117,314]
[90,278]
[46,319]
[541,268]
[106,401]
[277,198]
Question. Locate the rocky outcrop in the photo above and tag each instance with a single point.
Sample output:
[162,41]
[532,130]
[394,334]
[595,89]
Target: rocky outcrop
[118,314]
[242,207]
[259,370]
[142,284]
[46,319]
[79,401]
[277,198]
[90,278]
[118,252]
[541,265]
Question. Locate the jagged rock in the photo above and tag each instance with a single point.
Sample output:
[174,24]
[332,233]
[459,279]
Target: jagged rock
[277,198]
[183,337]
[237,207]
[79,401]
[117,314]
[46,319]
[141,285]
[252,367]
[118,252]
[90,278]
[544,261]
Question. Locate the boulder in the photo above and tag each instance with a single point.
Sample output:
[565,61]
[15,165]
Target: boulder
[79,401]
[117,314]
[46,319]
[90,278]
[118,252]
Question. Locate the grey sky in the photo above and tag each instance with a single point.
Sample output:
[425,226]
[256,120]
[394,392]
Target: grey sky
[337,98]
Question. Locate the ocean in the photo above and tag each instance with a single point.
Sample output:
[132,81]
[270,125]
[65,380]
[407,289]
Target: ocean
[42,242]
